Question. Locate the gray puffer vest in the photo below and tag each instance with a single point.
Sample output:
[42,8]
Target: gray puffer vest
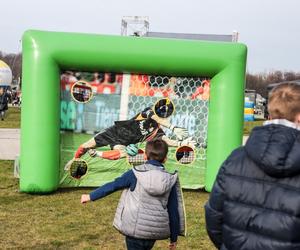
[143,213]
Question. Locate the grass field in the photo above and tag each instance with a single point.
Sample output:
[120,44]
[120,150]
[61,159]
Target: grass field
[12,118]
[59,221]
[101,171]
[248,126]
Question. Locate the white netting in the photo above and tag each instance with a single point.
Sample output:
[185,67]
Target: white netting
[190,96]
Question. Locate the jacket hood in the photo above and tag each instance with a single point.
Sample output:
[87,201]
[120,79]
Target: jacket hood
[155,181]
[275,148]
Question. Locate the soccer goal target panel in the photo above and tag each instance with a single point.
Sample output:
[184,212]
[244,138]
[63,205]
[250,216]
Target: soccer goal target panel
[45,54]
[81,121]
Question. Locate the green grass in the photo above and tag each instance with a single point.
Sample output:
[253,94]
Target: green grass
[59,221]
[101,171]
[248,126]
[12,118]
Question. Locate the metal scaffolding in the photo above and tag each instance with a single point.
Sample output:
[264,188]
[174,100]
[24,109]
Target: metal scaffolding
[134,25]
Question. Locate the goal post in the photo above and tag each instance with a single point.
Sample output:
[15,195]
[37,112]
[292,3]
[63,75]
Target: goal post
[46,53]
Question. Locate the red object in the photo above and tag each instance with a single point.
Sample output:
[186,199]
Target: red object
[105,88]
[185,149]
[111,154]
[143,78]
[199,91]
[82,86]
[140,151]
[67,80]
[80,152]
[119,78]
[206,82]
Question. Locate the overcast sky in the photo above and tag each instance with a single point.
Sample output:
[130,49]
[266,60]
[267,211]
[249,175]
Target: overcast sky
[270,28]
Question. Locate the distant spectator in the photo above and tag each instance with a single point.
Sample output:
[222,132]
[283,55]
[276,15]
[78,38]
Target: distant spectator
[108,84]
[67,80]
[119,78]
[16,99]
[4,98]
[78,75]
[95,82]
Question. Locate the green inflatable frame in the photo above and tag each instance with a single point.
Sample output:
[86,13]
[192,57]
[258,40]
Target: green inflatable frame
[46,53]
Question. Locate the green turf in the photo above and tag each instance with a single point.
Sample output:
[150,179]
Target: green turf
[101,171]
[59,221]
[12,118]
[248,126]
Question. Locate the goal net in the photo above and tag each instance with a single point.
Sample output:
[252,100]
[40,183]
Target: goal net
[190,96]
[121,97]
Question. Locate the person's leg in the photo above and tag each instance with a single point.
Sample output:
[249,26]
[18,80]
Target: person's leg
[101,139]
[2,113]
[148,244]
[132,244]
[118,151]
[139,244]
[110,137]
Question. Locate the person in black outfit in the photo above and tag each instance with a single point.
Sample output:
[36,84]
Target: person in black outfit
[255,200]
[4,98]
[144,126]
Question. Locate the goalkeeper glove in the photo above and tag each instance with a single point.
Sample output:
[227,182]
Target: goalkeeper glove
[132,150]
[181,133]
[190,142]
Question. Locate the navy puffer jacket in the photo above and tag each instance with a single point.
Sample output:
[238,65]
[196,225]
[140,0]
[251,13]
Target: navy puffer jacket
[255,201]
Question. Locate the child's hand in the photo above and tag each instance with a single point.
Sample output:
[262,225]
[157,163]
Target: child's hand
[85,198]
[172,246]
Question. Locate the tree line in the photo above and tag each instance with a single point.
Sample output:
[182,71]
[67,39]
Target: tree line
[260,81]
[256,81]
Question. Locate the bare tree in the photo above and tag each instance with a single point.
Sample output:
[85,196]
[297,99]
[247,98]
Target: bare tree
[260,81]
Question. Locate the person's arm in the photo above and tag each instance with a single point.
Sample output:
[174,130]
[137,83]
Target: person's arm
[180,133]
[173,217]
[161,121]
[214,210]
[127,180]
[175,143]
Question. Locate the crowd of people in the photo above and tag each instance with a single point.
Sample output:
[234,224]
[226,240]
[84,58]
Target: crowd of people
[8,96]
[141,85]
[101,83]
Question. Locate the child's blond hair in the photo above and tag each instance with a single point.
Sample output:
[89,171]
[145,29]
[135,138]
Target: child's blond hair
[284,101]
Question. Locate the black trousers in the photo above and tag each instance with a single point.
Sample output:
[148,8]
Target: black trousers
[139,244]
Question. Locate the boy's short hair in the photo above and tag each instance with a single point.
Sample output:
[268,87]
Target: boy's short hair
[156,150]
[284,101]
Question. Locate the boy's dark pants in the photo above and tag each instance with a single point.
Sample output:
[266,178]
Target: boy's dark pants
[139,244]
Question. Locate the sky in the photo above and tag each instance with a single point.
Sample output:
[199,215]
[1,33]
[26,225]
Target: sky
[270,28]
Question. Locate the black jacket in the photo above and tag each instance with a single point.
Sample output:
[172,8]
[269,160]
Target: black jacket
[4,98]
[255,201]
